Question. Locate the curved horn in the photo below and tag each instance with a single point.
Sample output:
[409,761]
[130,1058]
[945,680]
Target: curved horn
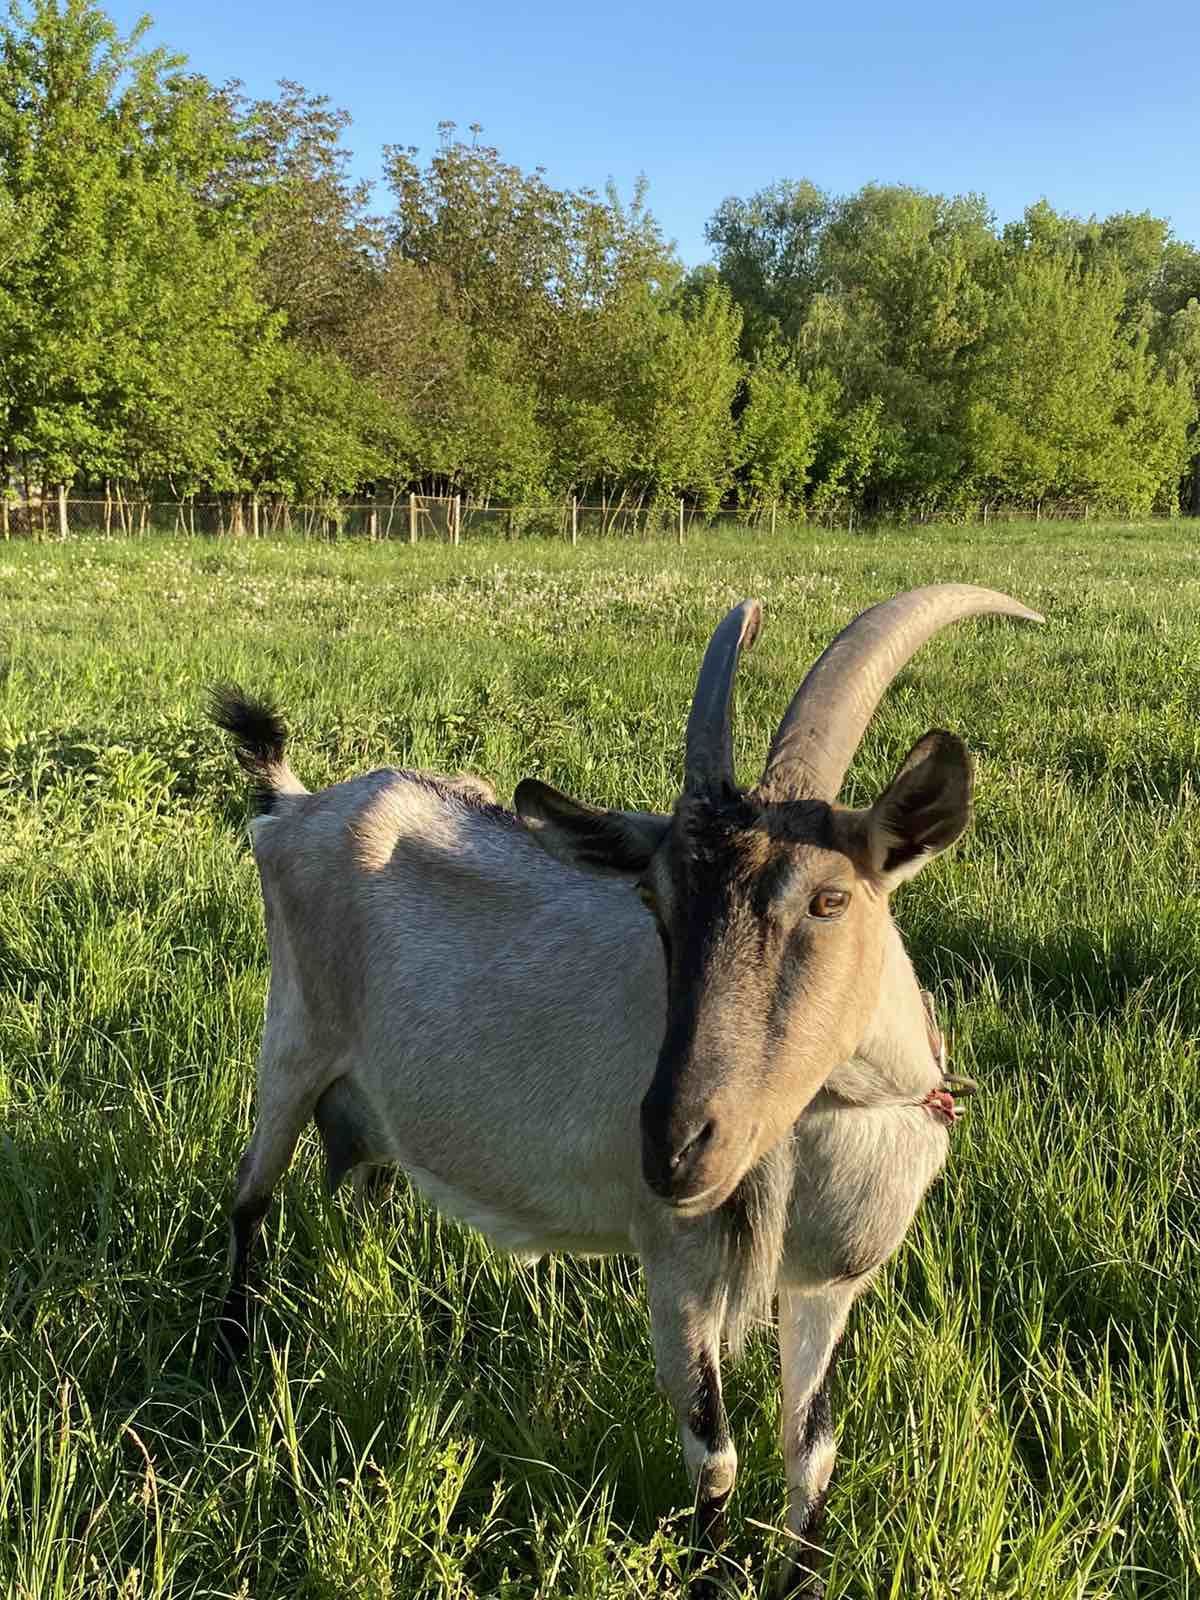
[824,724]
[708,761]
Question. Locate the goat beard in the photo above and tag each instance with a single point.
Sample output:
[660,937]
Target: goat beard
[753,1224]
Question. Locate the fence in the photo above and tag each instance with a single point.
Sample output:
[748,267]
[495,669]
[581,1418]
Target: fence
[451,519]
[407,518]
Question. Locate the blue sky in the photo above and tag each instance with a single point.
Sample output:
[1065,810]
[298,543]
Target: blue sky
[1095,107]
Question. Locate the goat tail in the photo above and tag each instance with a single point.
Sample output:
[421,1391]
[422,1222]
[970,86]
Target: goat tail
[260,743]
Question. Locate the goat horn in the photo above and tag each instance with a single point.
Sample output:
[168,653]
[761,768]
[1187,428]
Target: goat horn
[824,724]
[708,762]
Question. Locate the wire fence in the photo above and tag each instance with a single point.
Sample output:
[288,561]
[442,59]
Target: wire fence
[405,518]
[454,519]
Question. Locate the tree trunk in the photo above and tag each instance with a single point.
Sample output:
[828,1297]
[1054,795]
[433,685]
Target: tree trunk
[1196,486]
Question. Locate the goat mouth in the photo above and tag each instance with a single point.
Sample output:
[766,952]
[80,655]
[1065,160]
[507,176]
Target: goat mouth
[716,1194]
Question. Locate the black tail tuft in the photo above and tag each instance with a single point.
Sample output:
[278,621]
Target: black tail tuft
[260,738]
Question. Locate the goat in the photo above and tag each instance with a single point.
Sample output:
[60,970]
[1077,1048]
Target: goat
[451,993]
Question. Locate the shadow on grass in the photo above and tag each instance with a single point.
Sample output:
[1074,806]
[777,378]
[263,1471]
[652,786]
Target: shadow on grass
[1148,777]
[1129,968]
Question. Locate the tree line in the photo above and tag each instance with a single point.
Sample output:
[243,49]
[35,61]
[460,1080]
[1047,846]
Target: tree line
[196,298]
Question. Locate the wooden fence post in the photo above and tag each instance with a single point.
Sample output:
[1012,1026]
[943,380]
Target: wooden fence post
[373,523]
[774,508]
[254,513]
[574,520]
[457,525]
[412,519]
[62,511]
[681,520]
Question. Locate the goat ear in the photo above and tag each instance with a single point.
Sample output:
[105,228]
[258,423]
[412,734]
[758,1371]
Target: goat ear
[924,808]
[620,842]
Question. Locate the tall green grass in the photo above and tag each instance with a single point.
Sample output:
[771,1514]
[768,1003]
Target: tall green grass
[1018,1399]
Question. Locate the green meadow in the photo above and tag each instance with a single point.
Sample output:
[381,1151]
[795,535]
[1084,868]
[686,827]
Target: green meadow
[1017,1401]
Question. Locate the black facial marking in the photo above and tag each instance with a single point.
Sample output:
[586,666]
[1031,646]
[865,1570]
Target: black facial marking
[770,883]
[789,979]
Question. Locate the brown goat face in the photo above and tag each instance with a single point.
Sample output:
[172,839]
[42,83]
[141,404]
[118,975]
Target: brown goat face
[773,916]
[774,947]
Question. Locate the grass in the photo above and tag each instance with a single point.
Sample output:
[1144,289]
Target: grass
[1018,1400]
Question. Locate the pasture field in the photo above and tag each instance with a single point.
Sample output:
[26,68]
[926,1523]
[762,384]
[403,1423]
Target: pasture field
[1017,1401]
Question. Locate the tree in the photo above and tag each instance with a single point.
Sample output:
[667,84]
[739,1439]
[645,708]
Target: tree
[134,292]
[786,416]
[1064,403]
[769,254]
[320,249]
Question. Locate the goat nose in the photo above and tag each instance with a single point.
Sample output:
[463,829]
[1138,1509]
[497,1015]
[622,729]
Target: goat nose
[693,1142]
[670,1156]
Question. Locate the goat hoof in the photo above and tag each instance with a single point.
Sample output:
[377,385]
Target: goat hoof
[799,1583]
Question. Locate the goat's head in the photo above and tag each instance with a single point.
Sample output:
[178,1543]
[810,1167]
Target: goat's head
[772,902]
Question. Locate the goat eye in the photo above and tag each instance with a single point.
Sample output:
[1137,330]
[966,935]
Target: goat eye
[828,903]
[646,895]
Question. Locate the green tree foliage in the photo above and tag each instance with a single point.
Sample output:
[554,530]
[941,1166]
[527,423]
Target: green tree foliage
[787,416]
[195,297]
[131,295]
[1064,403]
[1175,336]
[1041,361]
[770,252]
